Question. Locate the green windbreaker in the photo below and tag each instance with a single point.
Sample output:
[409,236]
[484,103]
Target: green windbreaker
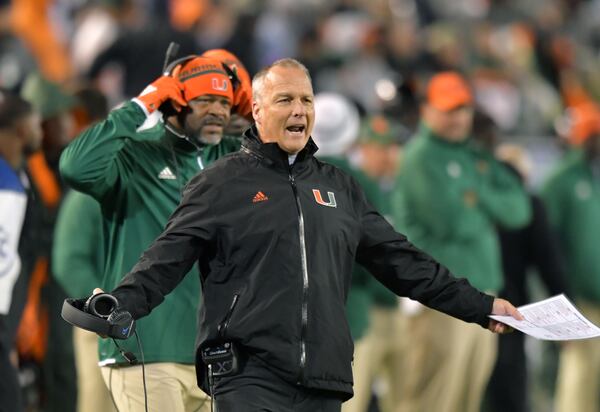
[448,201]
[572,197]
[77,248]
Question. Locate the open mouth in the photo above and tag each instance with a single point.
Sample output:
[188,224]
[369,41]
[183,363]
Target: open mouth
[296,129]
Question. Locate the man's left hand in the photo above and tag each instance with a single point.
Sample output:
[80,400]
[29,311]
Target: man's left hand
[504,308]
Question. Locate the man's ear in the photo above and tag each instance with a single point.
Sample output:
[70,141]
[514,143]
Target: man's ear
[256,113]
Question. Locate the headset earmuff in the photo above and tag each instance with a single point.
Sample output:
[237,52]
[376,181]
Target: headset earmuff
[101,305]
[233,77]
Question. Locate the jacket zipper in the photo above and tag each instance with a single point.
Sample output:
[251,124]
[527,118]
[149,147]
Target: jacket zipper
[199,159]
[304,281]
[222,328]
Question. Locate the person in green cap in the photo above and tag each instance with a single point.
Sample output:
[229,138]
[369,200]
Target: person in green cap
[335,132]
[376,325]
[55,106]
[138,174]
[450,197]
[572,197]
[382,355]
[80,256]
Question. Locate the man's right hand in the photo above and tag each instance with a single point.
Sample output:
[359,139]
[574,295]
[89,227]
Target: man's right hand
[166,87]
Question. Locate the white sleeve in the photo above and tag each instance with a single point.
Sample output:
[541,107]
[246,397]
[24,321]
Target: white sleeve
[12,214]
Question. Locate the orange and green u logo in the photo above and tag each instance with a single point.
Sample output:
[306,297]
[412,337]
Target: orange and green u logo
[216,86]
[319,198]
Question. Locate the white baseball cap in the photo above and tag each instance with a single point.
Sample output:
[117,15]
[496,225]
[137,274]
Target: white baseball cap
[337,124]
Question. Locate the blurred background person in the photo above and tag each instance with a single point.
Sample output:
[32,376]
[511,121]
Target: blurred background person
[336,132]
[77,264]
[450,197]
[20,135]
[379,368]
[45,342]
[572,197]
[533,247]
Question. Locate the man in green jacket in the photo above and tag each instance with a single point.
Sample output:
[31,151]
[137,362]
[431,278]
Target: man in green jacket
[378,154]
[138,175]
[449,199]
[572,196]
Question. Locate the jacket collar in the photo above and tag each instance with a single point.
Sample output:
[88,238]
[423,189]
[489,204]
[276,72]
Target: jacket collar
[271,152]
[428,134]
[179,141]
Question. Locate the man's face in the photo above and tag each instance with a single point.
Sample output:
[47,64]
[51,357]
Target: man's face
[206,117]
[58,132]
[453,125]
[32,133]
[373,159]
[284,112]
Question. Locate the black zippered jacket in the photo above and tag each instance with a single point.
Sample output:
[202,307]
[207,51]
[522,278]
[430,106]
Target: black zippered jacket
[275,245]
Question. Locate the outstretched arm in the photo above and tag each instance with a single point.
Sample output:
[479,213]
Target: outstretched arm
[165,263]
[408,271]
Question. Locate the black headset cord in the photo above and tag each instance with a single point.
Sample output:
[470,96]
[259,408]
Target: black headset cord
[132,360]
[211,386]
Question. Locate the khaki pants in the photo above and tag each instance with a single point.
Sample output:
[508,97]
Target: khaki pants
[578,381]
[380,354]
[170,386]
[449,364]
[92,395]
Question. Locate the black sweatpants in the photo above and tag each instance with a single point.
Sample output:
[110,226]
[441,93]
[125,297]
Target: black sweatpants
[507,388]
[256,389]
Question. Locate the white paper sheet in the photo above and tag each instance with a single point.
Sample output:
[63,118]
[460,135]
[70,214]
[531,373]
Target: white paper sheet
[555,318]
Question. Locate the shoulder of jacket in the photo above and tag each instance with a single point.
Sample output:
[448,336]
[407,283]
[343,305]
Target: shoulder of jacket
[332,170]
[221,170]
[147,147]
[420,146]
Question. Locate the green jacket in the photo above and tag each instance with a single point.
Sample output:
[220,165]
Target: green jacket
[138,177]
[572,197]
[77,250]
[449,199]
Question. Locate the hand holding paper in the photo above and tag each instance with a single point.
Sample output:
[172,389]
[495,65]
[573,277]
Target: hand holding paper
[506,309]
[555,318]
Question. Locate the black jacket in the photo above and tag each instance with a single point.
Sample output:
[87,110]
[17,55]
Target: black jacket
[276,245]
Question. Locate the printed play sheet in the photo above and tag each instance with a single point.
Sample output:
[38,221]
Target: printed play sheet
[555,318]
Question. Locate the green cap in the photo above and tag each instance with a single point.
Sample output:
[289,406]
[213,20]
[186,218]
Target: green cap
[47,97]
[382,130]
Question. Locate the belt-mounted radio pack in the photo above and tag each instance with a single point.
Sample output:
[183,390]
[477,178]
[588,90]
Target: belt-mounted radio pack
[222,358]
